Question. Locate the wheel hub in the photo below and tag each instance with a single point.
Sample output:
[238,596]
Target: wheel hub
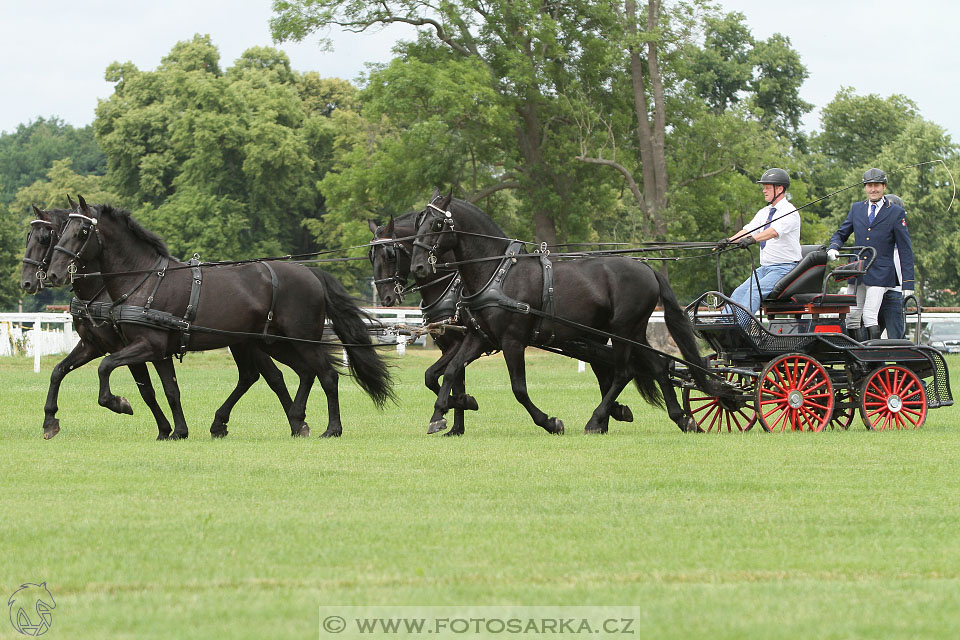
[894,404]
[795,399]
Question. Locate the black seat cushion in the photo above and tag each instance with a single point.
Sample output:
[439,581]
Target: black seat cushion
[805,278]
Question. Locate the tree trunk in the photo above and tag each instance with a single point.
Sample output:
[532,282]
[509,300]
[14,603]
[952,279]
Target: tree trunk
[529,137]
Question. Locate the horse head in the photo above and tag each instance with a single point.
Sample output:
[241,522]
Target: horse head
[435,226]
[390,260]
[79,242]
[44,233]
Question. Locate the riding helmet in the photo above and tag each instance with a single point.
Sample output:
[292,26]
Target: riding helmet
[874,175]
[775,176]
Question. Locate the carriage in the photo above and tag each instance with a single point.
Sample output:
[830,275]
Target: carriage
[800,371]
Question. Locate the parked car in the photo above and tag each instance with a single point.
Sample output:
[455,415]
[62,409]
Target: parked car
[943,336]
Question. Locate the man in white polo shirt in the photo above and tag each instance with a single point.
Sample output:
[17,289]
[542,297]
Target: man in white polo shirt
[776,228]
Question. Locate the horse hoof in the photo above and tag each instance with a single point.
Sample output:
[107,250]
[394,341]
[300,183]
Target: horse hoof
[303,431]
[692,426]
[555,426]
[622,413]
[453,432]
[177,436]
[331,433]
[119,404]
[51,428]
[219,429]
[593,429]
[163,436]
[437,426]
[470,403]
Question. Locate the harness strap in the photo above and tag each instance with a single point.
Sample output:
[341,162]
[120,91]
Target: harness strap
[273,299]
[543,331]
[191,313]
[161,270]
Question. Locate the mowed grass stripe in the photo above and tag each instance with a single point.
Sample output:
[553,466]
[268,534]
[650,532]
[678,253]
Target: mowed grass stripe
[839,534]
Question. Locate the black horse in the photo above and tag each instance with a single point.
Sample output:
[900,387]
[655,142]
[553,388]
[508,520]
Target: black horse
[593,296]
[98,336]
[390,254]
[281,305]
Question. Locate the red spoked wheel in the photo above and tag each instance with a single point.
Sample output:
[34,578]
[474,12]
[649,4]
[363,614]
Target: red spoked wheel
[893,397]
[795,393]
[714,414]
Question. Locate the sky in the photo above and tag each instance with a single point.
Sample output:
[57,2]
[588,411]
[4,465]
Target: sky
[53,53]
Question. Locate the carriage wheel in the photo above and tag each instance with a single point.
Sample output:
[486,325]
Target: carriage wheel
[842,416]
[794,392]
[893,397]
[711,413]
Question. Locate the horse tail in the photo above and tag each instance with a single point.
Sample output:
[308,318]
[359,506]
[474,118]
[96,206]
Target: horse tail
[681,330]
[348,319]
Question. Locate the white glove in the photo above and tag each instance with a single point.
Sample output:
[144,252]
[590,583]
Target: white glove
[832,255]
[907,293]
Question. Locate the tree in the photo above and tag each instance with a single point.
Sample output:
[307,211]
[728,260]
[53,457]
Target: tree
[220,163]
[29,152]
[531,51]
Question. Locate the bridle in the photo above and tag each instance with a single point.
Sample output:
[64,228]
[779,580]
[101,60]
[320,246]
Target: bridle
[43,264]
[443,222]
[86,224]
[391,248]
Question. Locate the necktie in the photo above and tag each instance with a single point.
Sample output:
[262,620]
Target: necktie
[873,213]
[773,210]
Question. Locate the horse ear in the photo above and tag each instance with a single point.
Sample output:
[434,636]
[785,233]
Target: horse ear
[388,229]
[73,205]
[447,199]
[374,225]
[436,193]
[38,212]
[83,203]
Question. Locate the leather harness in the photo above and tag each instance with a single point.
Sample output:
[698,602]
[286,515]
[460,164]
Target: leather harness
[492,295]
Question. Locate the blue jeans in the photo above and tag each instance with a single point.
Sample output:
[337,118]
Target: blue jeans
[746,295]
[891,314]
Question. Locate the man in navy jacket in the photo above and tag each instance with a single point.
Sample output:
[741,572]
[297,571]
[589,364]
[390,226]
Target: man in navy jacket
[879,223]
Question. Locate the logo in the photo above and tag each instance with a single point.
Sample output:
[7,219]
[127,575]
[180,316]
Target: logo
[30,609]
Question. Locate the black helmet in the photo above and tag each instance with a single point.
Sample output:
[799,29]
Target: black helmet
[897,200]
[874,175]
[775,176]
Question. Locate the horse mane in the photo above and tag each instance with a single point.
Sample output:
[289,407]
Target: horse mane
[138,230]
[492,228]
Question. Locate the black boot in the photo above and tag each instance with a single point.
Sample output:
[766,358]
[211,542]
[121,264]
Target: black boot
[874,332]
[858,334]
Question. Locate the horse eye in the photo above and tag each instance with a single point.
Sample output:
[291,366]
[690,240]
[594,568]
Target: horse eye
[45,239]
[438,225]
[391,254]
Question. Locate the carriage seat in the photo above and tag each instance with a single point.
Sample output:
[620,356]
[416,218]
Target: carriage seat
[803,285]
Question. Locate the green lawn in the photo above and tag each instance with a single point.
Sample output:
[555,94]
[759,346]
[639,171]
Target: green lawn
[831,535]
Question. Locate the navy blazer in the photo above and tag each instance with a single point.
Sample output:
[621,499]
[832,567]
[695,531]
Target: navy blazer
[889,229]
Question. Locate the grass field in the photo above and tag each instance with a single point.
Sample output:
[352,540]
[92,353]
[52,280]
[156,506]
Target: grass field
[833,535]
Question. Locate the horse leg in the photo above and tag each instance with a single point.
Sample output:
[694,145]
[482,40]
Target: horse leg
[136,352]
[459,397]
[620,412]
[142,377]
[274,377]
[516,366]
[674,410]
[251,363]
[329,382]
[471,347]
[599,421]
[79,356]
[168,377]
